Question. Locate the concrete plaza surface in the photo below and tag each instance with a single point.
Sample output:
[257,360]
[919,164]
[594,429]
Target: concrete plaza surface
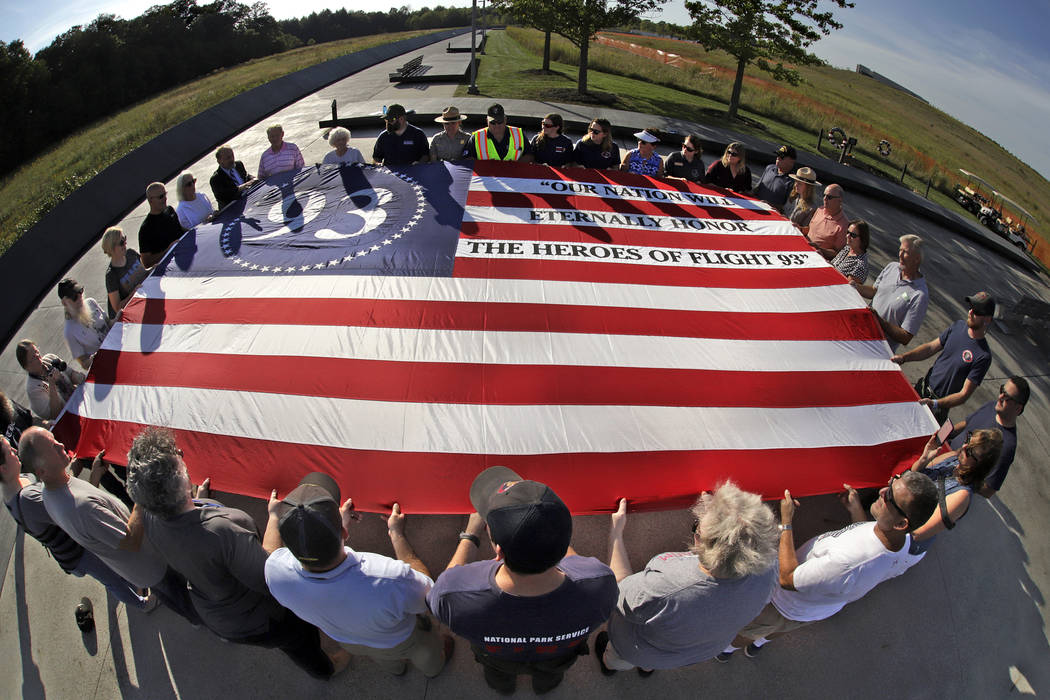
[968,621]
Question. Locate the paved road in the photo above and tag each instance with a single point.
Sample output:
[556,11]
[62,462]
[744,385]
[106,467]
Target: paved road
[969,621]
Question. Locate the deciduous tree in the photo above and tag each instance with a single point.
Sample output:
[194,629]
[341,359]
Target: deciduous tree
[577,20]
[762,32]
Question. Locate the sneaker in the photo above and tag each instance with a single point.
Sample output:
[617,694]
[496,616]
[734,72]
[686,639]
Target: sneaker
[85,616]
[600,644]
[751,651]
[724,657]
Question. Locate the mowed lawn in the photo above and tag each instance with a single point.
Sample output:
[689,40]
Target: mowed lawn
[34,189]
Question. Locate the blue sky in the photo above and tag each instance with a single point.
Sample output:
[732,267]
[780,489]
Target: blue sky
[987,64]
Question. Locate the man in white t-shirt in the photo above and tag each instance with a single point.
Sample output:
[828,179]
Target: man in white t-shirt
[837,568]
[372,605]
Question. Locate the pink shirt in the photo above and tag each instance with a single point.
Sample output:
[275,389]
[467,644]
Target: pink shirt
[288,158]
[828,232]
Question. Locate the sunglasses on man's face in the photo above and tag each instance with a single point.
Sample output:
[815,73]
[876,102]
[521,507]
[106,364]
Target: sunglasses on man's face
[596,131]
[546,125]
[688,148]
[1004,394]
[887,496]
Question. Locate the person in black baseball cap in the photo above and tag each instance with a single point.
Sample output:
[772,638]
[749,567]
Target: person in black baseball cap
[526,519]
[312,527]
[964,357]
[531,609]
[401,143]
[498,141]
[775,184]
[371,604]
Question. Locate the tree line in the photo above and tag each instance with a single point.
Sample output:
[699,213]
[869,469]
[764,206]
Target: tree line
[98,69]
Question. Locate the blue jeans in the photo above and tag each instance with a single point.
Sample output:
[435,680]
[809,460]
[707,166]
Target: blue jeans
[90,565]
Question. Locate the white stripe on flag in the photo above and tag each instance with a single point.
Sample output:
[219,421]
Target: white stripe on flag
[504,347]
[839,297]
[610,220]
[479,429]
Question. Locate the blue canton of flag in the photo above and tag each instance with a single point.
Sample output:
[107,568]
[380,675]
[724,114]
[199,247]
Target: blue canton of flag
[343,220]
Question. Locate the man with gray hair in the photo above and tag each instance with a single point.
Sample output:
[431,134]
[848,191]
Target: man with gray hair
[899,296]
[219,552]
[685,607]
[281,156]
[836,568]
[230,180]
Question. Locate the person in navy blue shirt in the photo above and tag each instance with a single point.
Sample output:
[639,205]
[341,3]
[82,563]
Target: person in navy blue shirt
[401,143]
[596,149]
[1000,414]
[551,146]
[531,609]
[964,358]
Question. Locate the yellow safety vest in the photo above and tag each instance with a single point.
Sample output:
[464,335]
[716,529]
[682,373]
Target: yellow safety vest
[486,149]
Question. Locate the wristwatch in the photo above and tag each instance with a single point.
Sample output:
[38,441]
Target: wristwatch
[782,527]
[473,538]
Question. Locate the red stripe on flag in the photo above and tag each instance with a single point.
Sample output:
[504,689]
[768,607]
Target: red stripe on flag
[498,384]
[611,203]
[851,324]
[376,479]
[572,271]
[693,240]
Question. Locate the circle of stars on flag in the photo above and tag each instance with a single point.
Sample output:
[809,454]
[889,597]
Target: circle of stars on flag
[412,222]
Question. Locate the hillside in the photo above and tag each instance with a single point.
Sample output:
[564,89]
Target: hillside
[932,144]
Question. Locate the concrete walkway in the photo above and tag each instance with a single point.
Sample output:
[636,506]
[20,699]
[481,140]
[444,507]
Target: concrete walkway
[969,621]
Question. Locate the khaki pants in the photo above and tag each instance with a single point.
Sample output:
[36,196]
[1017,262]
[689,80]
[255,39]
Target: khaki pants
[770,622]
[423,648]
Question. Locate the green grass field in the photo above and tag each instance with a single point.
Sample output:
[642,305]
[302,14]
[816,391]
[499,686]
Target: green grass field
[930,142]
[34,189]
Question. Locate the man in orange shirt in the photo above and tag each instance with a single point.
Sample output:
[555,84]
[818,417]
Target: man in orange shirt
[827,229]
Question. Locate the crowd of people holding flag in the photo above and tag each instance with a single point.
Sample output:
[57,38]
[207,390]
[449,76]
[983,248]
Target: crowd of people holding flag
[533,608]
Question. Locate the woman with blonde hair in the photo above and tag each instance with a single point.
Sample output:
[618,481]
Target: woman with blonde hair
[731,171]
[194,207]
[125,272]
[685,607]
[86,322]
[802,201]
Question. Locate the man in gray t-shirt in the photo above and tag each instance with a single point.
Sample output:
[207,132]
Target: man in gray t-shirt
[219,552]
[98,521]
[23,497]
[685,607]
[899,296]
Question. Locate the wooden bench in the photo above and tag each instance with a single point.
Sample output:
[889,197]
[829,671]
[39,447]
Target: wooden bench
[412,69]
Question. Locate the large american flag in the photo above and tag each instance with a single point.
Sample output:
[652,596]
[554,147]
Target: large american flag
[610,334]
